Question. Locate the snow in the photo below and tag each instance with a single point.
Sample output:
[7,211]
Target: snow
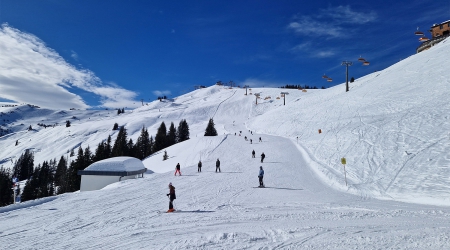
[117,164]
[392,127]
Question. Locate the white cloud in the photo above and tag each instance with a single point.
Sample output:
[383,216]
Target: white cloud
[310,27]
[74,55]
[312,51]
[344,14]
[160,93]
[330,22]
[30,72]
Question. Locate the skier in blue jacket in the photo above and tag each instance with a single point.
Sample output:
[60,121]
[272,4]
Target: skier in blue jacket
[261,176]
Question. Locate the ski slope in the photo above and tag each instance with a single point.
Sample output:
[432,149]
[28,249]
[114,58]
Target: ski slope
[392,127]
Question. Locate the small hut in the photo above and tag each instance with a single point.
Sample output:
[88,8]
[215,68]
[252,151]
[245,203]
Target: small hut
[102,173]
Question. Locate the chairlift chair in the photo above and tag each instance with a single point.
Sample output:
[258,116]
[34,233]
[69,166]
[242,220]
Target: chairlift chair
[361,59]
[329,80]
[325,76]
[423,39]
[418,32]
[366,63]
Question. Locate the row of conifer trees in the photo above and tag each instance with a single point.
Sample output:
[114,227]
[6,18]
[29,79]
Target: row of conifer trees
[52,177]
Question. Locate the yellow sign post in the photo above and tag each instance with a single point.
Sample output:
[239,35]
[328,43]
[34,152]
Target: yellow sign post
[344,161]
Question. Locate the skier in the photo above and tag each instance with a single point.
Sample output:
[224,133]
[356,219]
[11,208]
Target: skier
[253,154]
[199,166]
[245,137]
[177,169]
[217,165]
[172,197]
[251,141]
[262,157]
[260,139]
[261,176]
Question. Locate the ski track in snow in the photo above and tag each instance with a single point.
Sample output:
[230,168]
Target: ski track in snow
[392,131]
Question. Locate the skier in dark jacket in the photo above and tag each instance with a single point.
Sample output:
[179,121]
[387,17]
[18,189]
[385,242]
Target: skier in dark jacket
[171,196]
[261,176]
[262,157]
[177,169]
[253,154]
[199,166]
[217,165]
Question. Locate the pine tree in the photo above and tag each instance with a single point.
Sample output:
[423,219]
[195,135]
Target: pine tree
[151,144]
[119,111]
[210,130]
[99,152]
[182,131]
[123,110]
[352,79]
[107,152]
[88,157]
[116,126]
[67,123]
[6,193]
[160,138]
[142,147]
[44,181]
[171,135]
[72,153]
[28,191]
[130,148]
[23,167]
[73,179]
[60,173]
[120,145]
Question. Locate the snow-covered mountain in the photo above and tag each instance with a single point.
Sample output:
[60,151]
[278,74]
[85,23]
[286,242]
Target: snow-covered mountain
[392,127]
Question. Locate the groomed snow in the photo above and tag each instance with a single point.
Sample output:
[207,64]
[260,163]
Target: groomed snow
[392,127]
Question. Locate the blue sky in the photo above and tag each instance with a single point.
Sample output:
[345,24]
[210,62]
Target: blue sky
[115,53]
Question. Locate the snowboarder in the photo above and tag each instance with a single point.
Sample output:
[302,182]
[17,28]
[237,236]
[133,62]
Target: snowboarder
[262,157]
[217,165]
[172,197]
[261,176]
[199,166]
[253,154]
[260,139]
[177,169]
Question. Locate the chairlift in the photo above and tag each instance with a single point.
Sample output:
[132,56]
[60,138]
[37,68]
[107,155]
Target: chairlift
[423,39]
[324,76]
[361,59]
[418,32]
[365,63]
[329,80]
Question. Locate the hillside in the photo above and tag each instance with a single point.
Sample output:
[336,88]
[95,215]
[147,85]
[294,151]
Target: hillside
[392,127]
